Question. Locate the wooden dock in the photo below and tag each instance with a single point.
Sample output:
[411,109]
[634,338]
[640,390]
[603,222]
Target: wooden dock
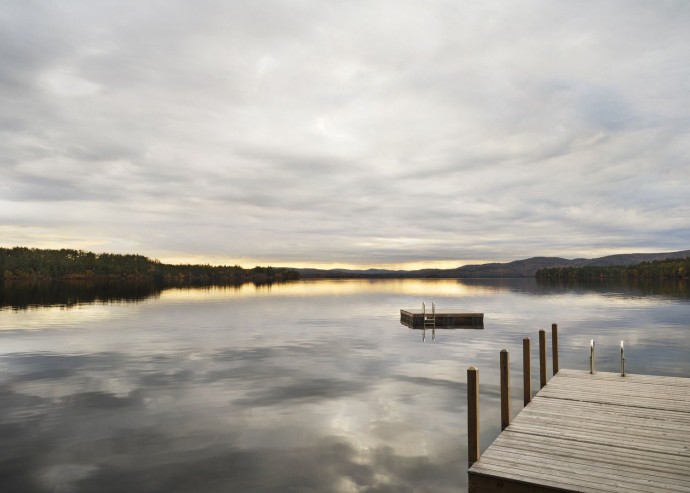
[414,319]
[585,432]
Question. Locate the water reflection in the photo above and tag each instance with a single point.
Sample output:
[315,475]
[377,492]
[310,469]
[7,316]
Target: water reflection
[29,294]
[311,386]
[677,289]
[242,422]
[26,294]
[433,334]
[668,288]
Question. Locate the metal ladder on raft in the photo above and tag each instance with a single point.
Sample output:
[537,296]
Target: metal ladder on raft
[429,318]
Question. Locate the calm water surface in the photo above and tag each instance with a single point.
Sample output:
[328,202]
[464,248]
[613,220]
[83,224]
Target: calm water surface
[309,387]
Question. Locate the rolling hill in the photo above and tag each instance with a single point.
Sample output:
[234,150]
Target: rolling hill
[518,268]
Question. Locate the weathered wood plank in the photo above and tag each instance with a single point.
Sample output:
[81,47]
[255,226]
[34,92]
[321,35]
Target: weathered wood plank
[610,465]
[606,411]
[633,377]
[624,393]
[611,438]
[578,418]
[540,477]
[625,385]
[635,464]
[597,436]
[483,483]
[576,477]
[582,475]
[646,402]
[644,459]
[581,417]
[592,433]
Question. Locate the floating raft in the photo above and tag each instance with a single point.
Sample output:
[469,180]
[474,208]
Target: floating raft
[414,319]
[593,433]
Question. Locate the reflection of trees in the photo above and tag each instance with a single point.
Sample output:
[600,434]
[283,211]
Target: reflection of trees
[26,294]
[520,285]
[668,288]
[673,289]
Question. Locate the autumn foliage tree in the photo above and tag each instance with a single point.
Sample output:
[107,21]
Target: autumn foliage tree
[35,263]
[658,269]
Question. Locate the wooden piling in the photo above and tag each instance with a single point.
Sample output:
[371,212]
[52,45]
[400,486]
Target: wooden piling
[593,433]
[542,358]
[472,415]
[554,346]
[526,370]
[505,389]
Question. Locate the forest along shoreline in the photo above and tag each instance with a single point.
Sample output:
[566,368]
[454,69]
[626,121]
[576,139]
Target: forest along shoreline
[22,263]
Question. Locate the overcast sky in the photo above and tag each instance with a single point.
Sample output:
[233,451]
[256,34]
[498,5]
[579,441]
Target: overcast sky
[314,132]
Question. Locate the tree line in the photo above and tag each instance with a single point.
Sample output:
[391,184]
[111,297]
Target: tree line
[658,269]
[44,264]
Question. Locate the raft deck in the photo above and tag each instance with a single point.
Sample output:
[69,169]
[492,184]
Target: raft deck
[414,319]
[594,433]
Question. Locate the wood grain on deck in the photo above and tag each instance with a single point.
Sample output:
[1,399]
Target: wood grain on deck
[594,433]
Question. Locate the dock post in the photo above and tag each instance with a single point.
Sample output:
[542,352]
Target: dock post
[472,415]
[526,371]
[622,360]
[591,357]
[505,389]
[554,346]
[542,358]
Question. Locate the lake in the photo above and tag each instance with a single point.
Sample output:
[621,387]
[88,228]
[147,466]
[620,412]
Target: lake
[310,386]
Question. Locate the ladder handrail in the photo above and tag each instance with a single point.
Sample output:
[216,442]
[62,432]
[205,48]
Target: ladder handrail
[429,319]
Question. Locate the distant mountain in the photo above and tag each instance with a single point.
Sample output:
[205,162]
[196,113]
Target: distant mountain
[518,268]
[632,258]
[353,274]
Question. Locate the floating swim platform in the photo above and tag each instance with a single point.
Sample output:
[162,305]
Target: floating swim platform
[414,319]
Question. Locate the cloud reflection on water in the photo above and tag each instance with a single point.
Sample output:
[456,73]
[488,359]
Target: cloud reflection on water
[182,434]
[215,391]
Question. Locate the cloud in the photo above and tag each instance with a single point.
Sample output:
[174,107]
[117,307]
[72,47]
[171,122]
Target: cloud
[381,133]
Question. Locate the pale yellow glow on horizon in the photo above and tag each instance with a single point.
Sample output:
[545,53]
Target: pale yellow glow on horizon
[81,314]
[249,263]
[326,287]
[46,238]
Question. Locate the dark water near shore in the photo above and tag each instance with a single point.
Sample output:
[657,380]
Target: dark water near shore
[309,386]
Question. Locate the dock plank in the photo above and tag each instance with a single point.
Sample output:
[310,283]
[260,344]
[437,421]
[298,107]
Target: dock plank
[592,433]
[611,454]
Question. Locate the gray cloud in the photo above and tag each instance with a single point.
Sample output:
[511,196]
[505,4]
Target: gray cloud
[379,133]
